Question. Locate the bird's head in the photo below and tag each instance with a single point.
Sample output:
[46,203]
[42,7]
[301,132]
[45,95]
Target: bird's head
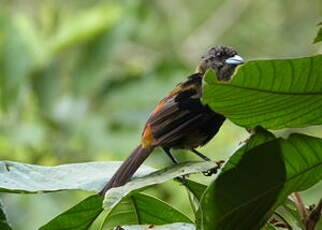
[223,60]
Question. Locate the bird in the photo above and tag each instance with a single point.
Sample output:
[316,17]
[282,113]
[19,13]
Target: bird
[180,120]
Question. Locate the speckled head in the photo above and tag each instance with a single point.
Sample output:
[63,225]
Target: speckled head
[223,60]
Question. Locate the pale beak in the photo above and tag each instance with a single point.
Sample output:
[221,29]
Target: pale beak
[235,60]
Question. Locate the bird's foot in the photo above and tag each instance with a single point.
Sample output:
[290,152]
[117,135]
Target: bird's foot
[214,170]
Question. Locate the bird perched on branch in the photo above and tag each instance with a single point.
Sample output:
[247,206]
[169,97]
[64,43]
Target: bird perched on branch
[180,120]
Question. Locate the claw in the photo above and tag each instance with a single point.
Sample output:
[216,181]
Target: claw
[220,163]
[214,170]
[211,171]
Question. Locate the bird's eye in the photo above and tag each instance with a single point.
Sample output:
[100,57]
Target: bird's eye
[218,54]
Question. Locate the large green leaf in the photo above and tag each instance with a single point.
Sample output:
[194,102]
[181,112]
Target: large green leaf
[142,209]
[3,220]
[271,93]
[79,217]
[19,177]
[176,226]
[114,195]
[256,181]
[135,209]
[262,136]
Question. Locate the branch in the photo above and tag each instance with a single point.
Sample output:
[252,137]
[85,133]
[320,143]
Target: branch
[300,206]
[314,217]
[310,219]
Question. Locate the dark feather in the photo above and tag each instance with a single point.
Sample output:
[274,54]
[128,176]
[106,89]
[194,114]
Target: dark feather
[128,168]
[182,118]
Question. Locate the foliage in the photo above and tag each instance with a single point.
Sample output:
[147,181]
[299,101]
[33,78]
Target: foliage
[74,80]
[257,179]
[115,195]
[81,216]
[89,177]
[245,195]
[3,220]
[64,68]
[274,94]
[132,210]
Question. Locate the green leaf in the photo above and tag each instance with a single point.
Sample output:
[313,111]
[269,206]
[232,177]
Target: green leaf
[135,209]
[176,226]
[318,37]
[289,213]
[114,195]
[262,136]
[195,188]
[90,176]
[4,225]
[274,94]
[142,209]
[245,195]
[79,217]
[195,192]
[268,227]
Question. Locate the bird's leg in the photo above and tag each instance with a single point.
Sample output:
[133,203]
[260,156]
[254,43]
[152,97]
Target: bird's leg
[201,155]
[175,161]
[211,171]
[169,154]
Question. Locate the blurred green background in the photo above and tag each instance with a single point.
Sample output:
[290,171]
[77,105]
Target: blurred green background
[79,78]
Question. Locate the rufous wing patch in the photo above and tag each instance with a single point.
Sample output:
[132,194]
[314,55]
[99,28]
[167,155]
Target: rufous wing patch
[147,138]
[159,106]
[181,89]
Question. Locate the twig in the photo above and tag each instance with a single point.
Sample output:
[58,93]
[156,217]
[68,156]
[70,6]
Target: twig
[310,219]
[300,206]
[314,217]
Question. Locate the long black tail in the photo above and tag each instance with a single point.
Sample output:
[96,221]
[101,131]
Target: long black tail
[128,168]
